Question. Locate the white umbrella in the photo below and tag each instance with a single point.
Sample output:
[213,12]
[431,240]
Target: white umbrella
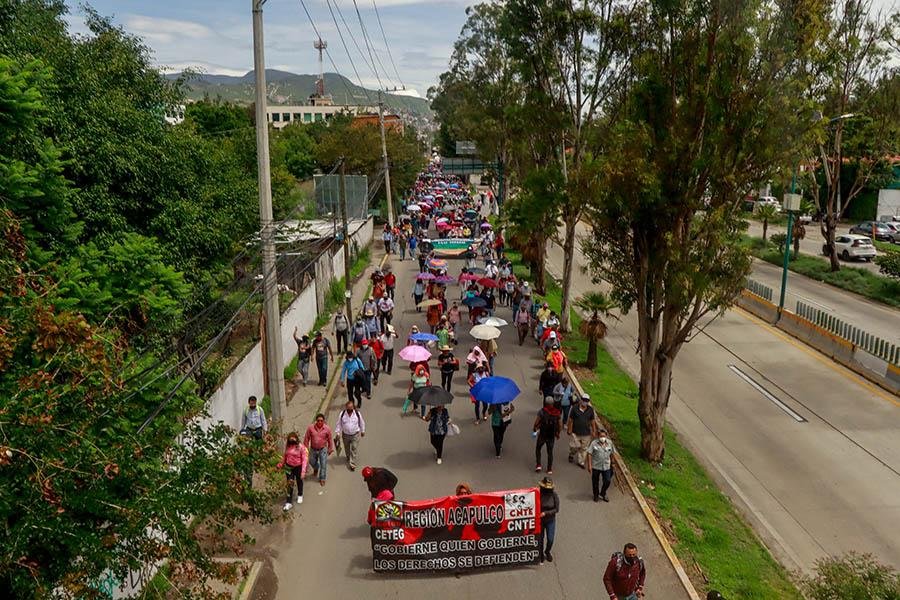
[485,332]
[413,207]
[493,321]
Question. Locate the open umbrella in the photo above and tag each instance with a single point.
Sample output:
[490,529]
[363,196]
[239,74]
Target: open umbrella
[485,225]
[424,337]
[444,279]
[431,395]
[454,186]
[436,263]
[493,321]
[413,207]
[469,277]
[414,353]
[425,276]
[484,332]
[444,225]
[475,302]
[495,390]
[429,302]
[443,220]
[476,270]
[488,282]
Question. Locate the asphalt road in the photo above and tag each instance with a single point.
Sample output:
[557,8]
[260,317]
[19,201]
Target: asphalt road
[808,450]
[325,552]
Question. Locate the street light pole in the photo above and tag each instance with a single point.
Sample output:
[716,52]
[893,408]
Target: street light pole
[787,243]
[384,156]
[274,361]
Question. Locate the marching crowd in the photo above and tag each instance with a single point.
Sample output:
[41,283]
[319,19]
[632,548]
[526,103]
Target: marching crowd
[486,285]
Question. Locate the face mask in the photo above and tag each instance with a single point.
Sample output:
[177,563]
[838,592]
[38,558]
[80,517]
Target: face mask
[602,440]
[629,560]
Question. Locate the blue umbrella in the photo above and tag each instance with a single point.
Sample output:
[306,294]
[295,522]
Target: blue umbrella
[495,390]
[424,337]
[475,302]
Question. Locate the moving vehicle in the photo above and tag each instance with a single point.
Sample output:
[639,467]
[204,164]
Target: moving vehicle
[850,246]
[883,233]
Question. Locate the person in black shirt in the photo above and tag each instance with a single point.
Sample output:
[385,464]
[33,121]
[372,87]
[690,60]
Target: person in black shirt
[448,365]
[549,510]
[549,378]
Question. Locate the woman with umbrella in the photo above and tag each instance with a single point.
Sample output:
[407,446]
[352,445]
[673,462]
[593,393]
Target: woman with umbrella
[499,392]
[419,379]
[438,419]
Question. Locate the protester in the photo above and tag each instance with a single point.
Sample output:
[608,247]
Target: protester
[419,378]
[549,510]
[304,353]
[385,311]
[463,489]
[402,242]
[547,427]
[443,333]
[490,349]
[501,417]
[387,237]
[599,464]
[387,342]
[474,358]
[351,427]
[522,320]
[341,331]
[320,445]
[254,422]
[548,380]
[481,409]
[448,365]
[418,293]
[322,349]
[380,481]
[390,284]
[370,306]
[581,429]
[438,419]
[370,365]
[453,316]
[562,396]
[353,377]
[625,574]
[296,457]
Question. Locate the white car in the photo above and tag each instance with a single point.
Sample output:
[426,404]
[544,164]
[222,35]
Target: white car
[850,246]
[770,200]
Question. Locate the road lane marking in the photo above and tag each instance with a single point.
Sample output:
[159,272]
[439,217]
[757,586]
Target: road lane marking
[768,395]
[825,360]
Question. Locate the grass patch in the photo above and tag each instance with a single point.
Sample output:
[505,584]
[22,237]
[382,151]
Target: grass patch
[705,528]
[859,281]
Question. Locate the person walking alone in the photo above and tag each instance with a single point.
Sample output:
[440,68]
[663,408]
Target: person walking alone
[501,417]
[549,510]
[522,320]
[351,427]
[296,457]
[448,364]
[625,574]
[599,464]
[304,353]
[322,351]
[547,427]
[341,331]
[320,445]
[353,377]
[438,419]
[581,429]
[387,342]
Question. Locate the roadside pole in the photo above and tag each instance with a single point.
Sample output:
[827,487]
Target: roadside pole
[274,366]
[384,156]
[791,203]
[348,285]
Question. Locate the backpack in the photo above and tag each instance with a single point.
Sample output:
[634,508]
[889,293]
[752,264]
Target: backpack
[547,426]
[620,560]
[356,412]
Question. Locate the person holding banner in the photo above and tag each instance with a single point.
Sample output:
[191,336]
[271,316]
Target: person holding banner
[549,510]
[438,419]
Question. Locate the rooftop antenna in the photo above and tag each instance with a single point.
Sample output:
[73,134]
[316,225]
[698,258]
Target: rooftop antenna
[320,45]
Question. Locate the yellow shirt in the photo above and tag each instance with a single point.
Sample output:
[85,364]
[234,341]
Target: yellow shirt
[543,314]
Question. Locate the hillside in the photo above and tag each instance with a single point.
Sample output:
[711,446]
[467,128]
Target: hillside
[290,88]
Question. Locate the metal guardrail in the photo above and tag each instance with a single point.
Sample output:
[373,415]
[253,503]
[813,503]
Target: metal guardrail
[874,345]
[763,291]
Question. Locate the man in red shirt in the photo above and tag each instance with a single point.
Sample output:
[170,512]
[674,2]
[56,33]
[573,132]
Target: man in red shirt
[390,282]
[625,573]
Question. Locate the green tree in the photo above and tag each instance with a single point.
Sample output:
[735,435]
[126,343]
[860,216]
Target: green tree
[766,213]
[852,577]
[699,125]
[598,305]
[889,264]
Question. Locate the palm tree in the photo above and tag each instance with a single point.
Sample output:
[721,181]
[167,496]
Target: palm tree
[594,329]
[766,212]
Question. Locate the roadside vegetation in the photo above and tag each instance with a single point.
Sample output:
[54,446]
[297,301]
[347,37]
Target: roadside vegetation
[710,537]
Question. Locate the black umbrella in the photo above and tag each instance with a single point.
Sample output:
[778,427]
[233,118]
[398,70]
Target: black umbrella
[478,270]
[475,302]
[431,395]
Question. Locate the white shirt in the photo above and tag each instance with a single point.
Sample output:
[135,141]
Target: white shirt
[350,424]
[387,340]
[385,304]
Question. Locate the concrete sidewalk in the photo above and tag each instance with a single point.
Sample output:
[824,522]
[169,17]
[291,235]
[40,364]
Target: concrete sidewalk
[325,552]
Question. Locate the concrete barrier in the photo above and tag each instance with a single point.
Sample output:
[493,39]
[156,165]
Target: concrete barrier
[757,305]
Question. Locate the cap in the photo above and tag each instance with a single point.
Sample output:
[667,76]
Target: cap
[552,334]
[585,396]
[548,400]
[365,342]
[367,472]
[319,332]
[546,483]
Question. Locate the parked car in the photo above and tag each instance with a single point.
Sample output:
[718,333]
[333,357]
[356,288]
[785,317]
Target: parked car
[895,231]
[805,219]
[883,233]
[764,200]
[850,246]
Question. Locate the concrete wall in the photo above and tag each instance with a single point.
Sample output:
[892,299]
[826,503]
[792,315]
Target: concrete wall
[854,357]
[247,379]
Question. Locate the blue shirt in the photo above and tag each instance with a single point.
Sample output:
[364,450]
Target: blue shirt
[348,371]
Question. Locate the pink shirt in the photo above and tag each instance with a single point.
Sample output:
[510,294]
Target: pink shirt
[385,495]
[295,456]
[317,439]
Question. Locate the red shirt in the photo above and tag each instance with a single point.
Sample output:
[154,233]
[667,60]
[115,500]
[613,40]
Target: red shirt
[621,579]
[390,280]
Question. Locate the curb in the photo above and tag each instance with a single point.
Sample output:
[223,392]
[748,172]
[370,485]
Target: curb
[642,502]
[250,582]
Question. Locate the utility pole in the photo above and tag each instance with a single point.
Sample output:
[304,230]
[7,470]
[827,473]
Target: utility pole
[274,365]
[384,156]
[348,285]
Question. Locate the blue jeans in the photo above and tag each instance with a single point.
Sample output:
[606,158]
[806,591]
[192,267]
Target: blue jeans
[318,459]
[322,367]
[565,414]
[548,531]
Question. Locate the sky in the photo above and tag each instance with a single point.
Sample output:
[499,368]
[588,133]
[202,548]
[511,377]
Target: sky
[216,35]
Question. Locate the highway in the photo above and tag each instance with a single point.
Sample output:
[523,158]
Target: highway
[808,450]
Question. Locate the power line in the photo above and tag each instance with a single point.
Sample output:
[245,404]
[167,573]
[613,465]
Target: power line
[353,39]
[387,46]
[350,95]
[347,51]
[362,28]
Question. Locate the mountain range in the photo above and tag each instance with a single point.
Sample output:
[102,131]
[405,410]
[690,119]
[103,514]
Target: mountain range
[290,88]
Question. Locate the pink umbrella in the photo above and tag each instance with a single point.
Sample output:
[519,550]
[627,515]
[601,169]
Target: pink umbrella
[415,353]
[469,277]
[425,276]
[444,279]
[444,225]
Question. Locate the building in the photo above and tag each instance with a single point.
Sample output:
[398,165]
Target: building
[280,116]
[391,122]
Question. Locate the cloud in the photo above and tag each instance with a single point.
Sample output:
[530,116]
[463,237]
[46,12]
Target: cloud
[165,31]
[203,67]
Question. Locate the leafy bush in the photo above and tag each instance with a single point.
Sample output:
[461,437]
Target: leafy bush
[889,264]
[852,577]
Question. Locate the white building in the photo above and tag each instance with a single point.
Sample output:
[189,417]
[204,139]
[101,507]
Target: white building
[280,116]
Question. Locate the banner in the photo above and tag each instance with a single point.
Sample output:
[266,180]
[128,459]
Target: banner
[456,533]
